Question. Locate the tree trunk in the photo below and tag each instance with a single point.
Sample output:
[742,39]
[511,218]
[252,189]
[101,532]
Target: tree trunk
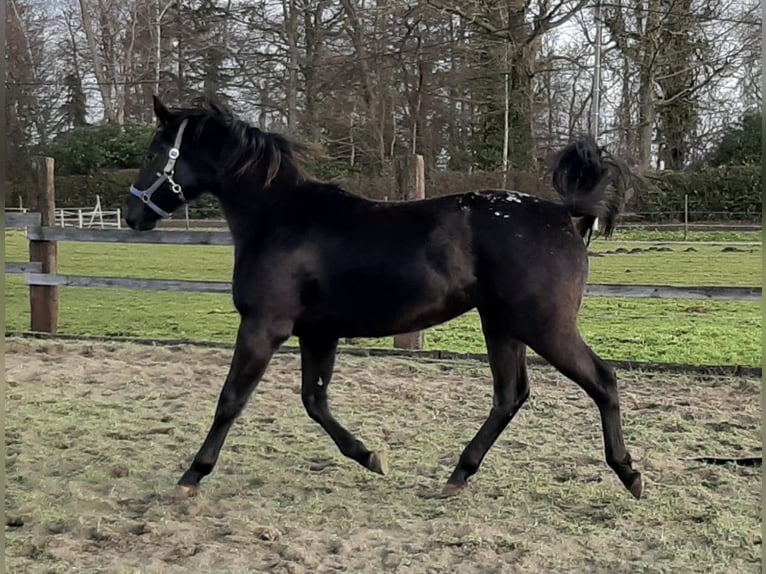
[521,143]
[159,13]
[627,147]
[98,67]
[375,106]
[645,119]
[646,112]
[291,36]
[315,34]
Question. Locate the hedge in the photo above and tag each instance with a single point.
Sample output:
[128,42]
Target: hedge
[722,193]
[715,193]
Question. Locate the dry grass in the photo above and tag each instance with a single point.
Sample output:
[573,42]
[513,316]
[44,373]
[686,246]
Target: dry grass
[98,434]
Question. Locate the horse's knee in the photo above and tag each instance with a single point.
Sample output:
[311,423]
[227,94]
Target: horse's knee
[507,406]
[230,405]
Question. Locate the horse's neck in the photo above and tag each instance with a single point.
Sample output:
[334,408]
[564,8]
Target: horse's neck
[243,205]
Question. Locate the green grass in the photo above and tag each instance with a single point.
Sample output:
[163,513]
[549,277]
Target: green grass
[650,235]
[676,331]
[706,265]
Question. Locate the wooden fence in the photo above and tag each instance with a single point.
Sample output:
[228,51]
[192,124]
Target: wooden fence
[42,277]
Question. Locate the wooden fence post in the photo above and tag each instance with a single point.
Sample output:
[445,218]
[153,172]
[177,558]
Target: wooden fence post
[44,300]
[410,179]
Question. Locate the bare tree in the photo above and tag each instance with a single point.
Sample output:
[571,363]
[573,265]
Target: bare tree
[517,29]
[476,85]
[682,56]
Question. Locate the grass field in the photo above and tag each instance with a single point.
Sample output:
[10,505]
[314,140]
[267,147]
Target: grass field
[98,434]
[623,234]
[630,329]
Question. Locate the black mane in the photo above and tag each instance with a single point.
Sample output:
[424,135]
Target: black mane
[245,149]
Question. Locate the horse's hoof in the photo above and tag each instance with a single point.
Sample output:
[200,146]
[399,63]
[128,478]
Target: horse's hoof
[450,490]
[378,462]
[183,492]
[636,487]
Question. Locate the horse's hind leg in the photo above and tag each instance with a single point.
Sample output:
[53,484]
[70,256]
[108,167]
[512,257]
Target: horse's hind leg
[508,363]
[254,348]
[317,362]
[564,349]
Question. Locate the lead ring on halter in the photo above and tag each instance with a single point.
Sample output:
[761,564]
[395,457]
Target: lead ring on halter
[167,174]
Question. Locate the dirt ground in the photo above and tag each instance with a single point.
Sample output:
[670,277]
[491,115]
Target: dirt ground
[97,435]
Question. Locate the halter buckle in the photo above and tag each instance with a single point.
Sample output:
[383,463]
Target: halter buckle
[167,175]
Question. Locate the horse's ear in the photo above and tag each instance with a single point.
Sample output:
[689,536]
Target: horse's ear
[162,113]
[215,106]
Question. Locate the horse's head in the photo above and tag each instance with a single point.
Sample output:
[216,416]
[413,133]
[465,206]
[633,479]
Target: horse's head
[206,149]
[175,173]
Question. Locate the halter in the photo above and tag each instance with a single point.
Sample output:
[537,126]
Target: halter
[168,171]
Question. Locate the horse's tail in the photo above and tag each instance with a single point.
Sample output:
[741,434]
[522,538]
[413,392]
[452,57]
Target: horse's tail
[593,183]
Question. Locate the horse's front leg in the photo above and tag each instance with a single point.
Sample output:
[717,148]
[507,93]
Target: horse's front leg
[256,343]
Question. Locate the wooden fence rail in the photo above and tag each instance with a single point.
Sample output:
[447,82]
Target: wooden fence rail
[22,267]
[129,236]
[22,220]
[712,293]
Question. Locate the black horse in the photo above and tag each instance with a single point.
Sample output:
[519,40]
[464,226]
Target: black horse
[317,262]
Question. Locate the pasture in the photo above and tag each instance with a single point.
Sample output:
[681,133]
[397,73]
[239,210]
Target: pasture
[97,435]
[678,331]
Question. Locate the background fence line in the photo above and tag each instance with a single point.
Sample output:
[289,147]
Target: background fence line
[81,217]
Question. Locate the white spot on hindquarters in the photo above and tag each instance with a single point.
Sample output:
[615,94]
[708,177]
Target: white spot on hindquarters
[320,383]
[516,196]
